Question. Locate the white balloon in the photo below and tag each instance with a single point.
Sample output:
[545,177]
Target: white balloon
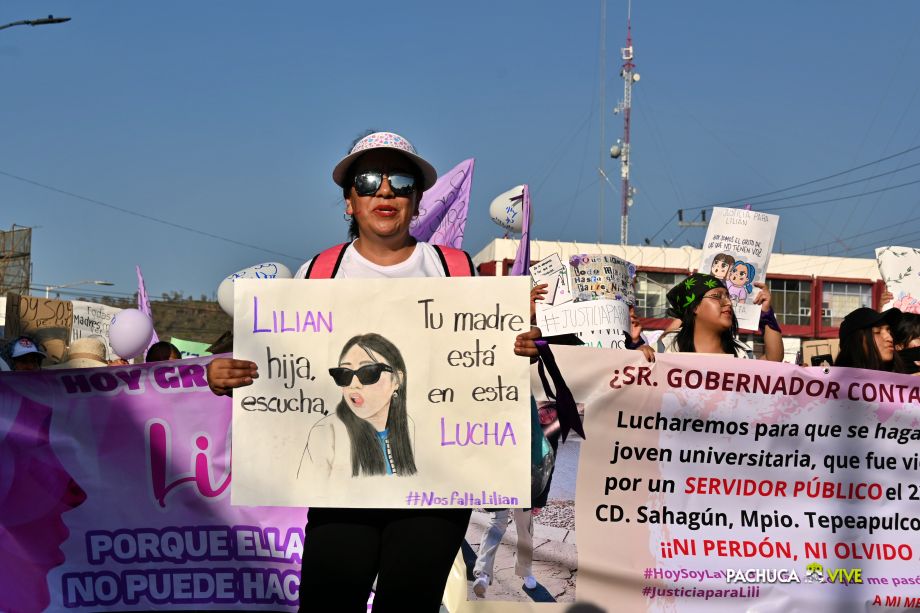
[268,270]
[130,333]
[507,210]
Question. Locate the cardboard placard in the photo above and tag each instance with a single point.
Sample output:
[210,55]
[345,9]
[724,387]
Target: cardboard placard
[737,251]
[417,376]
[900,268]
[47,320]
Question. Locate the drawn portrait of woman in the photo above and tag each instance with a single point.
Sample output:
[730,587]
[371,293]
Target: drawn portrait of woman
[370,432]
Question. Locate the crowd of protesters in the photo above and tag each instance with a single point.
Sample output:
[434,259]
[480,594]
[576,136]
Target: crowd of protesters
[346,552]
[26,353]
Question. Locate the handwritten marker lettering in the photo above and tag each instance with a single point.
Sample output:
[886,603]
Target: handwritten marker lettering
[303,321]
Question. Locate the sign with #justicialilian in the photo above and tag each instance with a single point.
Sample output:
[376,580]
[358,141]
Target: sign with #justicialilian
[401,393]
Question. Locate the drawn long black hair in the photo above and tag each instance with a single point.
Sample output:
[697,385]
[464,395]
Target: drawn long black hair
[367,457]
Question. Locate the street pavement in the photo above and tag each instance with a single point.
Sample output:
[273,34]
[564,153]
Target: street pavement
[555,560]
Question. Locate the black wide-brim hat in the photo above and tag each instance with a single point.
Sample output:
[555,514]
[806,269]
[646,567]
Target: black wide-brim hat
[864,317]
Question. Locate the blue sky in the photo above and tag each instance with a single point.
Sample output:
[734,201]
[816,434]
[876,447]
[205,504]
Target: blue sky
[228,118]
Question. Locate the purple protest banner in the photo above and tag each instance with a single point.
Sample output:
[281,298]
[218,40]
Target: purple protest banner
[143,304]
[443,210]
[114,495]
[522,260]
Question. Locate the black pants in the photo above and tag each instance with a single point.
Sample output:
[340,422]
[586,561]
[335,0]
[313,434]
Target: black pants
[409,551]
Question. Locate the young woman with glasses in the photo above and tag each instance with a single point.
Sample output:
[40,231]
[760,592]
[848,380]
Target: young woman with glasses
[708,324]
[408,551]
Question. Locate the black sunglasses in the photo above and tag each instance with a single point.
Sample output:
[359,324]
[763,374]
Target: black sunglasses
[367,183]
[367,375]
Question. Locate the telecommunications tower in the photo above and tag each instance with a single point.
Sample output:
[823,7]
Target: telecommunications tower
[621,148]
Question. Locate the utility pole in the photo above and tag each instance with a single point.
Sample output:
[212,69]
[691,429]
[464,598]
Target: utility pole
[691,224]
[621,149]
[603,113]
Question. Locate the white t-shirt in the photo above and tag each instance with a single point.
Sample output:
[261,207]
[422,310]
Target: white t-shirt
[424,262]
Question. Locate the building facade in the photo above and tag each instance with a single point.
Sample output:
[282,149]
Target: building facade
[811,294]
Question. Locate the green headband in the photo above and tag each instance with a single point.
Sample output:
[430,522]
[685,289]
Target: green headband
[688,293]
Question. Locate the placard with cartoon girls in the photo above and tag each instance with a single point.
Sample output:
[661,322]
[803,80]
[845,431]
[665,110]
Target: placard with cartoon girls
[737,251]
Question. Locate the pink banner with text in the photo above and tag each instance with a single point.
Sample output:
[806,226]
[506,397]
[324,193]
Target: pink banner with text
[114,495]
[744,485]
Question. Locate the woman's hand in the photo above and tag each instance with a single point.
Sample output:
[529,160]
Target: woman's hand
[524,343]
[226,374]
[536,293]
[763,298]
[635,327]
[772,339]
[885,298]
[648,352]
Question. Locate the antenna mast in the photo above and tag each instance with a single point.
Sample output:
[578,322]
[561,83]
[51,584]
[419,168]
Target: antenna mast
[621,148]
[603,109]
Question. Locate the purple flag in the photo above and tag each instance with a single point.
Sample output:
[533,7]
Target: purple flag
[522,261]
[143,304]
[442,212]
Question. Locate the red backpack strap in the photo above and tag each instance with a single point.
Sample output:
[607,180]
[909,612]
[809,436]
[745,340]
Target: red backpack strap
[326,264]
[456,262]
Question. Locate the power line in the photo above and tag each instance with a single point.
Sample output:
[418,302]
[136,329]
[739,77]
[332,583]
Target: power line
[838,185]
[813,181]
[814,202]
[144,216]
[563,147]
[115,296]
[863,233]
[663,226]
[582,165]
[911,234]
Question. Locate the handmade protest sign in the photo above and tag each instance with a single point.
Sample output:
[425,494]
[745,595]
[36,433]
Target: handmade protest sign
[413,399]
[603,276]
[589,299]
[553,272]
[47,320]
[737,251]
[116,496]
[92,319]
[585,317]
[738,484]
[900,269]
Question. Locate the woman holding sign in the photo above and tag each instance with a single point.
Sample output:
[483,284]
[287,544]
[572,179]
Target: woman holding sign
[708,324]
[408,551]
